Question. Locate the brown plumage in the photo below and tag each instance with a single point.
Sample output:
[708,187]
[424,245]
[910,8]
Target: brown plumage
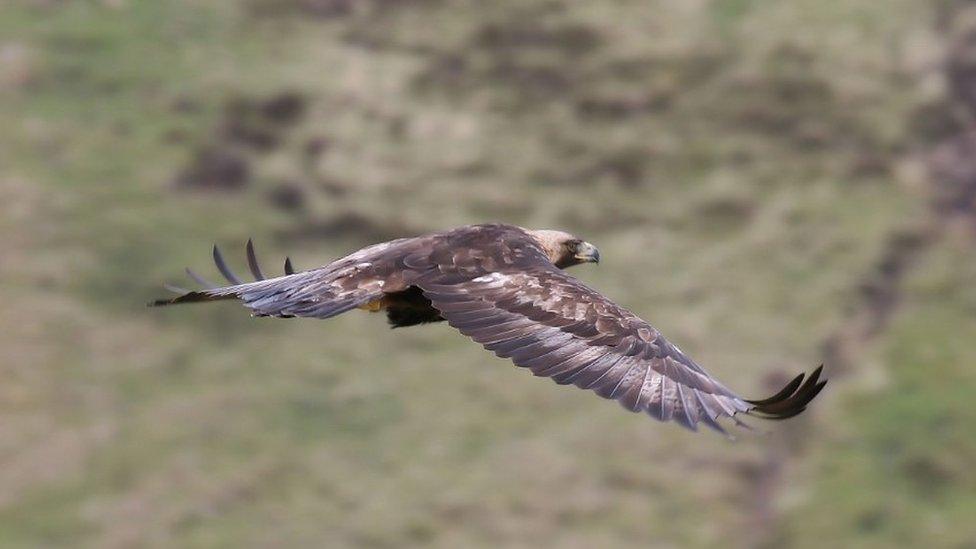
[504,287]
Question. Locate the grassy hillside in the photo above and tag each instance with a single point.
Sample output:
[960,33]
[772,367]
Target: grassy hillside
[772,184]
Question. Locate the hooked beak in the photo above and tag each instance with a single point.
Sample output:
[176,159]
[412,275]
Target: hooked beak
[587,253]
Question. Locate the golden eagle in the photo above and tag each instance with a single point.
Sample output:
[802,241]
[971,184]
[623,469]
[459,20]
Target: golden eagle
[504,287]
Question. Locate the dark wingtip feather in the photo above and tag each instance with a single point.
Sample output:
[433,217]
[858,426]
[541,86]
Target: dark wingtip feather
[162,302]
[252,261]
[223,268]
[188,297]
[784,415]
[790,401]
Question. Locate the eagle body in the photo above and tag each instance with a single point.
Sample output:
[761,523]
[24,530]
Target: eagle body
[409,308]
[505,287]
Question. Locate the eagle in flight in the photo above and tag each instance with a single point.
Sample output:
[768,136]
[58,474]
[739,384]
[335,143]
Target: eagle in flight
[505,287]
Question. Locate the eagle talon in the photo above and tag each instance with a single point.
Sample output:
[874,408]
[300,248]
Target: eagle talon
[373,306]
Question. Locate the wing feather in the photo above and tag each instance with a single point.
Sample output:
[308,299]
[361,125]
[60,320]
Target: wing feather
[552,324]
[252,261]
[223,268]
[344,284]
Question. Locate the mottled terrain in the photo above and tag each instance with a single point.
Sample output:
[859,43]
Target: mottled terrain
[771,184]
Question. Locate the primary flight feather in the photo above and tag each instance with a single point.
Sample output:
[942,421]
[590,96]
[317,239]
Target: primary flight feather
[505,287]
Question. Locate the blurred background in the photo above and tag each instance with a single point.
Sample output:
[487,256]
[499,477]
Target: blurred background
[773,184]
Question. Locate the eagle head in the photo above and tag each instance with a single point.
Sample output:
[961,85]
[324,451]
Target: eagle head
[564,249]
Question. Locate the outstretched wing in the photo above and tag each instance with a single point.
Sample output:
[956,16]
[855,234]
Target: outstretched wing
[551,323]
[356,280]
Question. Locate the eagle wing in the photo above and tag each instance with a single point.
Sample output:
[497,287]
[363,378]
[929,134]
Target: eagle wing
[357,280]
[547,321]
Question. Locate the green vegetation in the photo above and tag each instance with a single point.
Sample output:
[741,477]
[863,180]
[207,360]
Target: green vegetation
[743,165]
